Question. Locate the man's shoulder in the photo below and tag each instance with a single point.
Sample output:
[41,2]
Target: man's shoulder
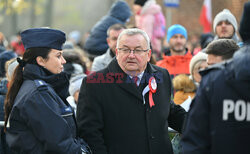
[101,61]
[99,58]
[29,90]
[161,63]
[34,86]
[157,68]
[215,73]
[213,69]
[160,70]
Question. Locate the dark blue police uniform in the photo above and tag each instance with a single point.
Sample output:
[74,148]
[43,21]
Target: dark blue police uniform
[41,121]
[219,118]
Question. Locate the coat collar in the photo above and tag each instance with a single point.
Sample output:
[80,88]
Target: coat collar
[59,82]
[126,83]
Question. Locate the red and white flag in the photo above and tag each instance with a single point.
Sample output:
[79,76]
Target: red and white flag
[206,16]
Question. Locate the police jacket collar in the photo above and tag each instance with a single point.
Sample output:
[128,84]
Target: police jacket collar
[59,82]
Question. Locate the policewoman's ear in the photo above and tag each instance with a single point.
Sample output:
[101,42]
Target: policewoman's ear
[40,61]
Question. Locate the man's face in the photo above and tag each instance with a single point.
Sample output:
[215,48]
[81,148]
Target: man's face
[112,39]
[177,43]
[224,29]
[131,62]
[213,59]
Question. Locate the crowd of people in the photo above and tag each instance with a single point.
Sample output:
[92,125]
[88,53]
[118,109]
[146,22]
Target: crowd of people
[121,90]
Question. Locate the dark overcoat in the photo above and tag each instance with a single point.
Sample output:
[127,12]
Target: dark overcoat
[113,119]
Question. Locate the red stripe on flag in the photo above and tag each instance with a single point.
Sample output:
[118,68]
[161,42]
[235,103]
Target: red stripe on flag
[204,21]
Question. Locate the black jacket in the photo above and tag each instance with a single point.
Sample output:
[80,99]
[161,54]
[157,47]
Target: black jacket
[41,121]
[113,119]
[219,117]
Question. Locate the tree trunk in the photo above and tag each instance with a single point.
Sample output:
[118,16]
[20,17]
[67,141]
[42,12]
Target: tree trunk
[32,13]
[14,23]
[48,13]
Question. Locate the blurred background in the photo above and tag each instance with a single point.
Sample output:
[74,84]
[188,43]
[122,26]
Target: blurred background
[81,15]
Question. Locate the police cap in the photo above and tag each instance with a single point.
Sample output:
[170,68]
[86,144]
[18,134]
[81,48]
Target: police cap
[43,37]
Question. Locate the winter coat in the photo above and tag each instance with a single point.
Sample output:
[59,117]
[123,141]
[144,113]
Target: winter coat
[4,149]
[113,118]
[218,120]
[96,43]
[178,64]
[2,48]
[146,22]
[41,120]
[3,91]
[102,61]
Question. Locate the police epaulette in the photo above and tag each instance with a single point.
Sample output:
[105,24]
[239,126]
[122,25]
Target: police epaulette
[40,84]
[218,66]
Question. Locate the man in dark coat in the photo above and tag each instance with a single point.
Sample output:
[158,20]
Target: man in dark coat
[219,118]
[126,107]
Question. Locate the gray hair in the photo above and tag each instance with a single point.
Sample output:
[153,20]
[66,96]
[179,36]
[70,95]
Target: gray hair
[115,27]
[131,32]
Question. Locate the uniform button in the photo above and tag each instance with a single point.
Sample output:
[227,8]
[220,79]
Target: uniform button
[152,137]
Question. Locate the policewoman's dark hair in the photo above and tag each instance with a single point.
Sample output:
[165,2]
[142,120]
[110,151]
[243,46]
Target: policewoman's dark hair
[29,57]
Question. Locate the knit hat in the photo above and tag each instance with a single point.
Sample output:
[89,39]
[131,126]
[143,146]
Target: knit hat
[245,23]
[11,68]
[205,39]
[68,45]
[223,16]
[176,29]
[200,56]
[75,83]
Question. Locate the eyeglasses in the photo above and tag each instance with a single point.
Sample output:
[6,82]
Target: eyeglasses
[135,51]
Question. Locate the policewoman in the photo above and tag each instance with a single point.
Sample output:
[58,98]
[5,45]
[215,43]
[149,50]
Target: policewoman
[38,119]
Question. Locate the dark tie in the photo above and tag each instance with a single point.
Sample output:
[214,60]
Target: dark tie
[135,79]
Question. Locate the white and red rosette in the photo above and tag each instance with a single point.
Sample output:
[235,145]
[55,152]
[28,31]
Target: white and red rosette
[151,88]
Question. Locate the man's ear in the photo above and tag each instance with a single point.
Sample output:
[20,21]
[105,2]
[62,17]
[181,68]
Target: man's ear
[107,39]
[40,61]
[116,52]
[149,54]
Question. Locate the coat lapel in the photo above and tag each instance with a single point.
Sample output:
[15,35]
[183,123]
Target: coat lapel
[126,83]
